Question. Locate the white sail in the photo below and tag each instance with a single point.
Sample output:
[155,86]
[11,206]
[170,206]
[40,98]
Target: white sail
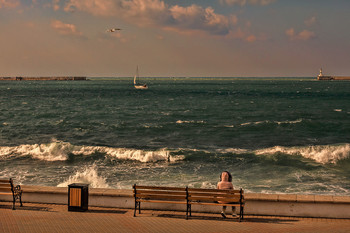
[138,85]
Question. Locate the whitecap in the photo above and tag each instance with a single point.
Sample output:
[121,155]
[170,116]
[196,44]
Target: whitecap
[87,175]
[322,153]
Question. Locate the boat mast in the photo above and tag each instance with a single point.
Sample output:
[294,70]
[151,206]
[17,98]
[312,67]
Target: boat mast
[136,75]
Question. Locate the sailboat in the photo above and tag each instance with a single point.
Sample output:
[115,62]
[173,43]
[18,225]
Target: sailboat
[138,85]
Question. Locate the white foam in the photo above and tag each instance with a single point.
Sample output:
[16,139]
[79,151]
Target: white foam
[59,151]
[130,154]
[87,175]
[190,122]
[56,151]
[273,122]
[289,122]
[322,154]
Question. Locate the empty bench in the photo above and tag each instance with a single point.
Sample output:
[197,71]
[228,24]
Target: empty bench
[188,196]
[154,194]
[7,188]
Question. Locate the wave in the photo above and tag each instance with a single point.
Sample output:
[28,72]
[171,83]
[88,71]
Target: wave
[272,122]
[56,151]
[87,175]
[190,122]
[60,151]
[325,154]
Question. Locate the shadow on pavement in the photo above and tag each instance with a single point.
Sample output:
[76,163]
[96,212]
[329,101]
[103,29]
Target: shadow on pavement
[34,208]
[250,219]
[104,211]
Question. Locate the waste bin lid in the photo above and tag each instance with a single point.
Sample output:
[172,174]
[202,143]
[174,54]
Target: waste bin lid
[78,185]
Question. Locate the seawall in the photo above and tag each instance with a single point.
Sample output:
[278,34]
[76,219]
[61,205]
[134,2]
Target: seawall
[54,78]
[256,204]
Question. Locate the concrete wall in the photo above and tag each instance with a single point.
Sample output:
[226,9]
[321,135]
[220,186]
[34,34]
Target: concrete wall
[256,204]
[56,78]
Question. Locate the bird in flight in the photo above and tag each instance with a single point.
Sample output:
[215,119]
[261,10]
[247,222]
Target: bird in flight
[113,29]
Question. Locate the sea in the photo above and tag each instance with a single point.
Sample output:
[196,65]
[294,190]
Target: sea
[274,135]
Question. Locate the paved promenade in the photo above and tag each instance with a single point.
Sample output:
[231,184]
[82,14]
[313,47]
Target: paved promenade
[35,217]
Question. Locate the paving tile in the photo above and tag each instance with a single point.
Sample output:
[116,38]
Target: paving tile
[35,217]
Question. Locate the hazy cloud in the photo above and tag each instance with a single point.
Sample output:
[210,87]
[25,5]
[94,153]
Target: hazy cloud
[55,5]
[311,21]
[157,13]
[244,2]
[303,35]
[65,29]
[9,3]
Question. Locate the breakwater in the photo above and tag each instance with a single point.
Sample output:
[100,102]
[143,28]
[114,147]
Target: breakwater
[52,78]
[339,78]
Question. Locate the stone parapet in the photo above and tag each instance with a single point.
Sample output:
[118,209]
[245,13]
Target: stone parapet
[256,204]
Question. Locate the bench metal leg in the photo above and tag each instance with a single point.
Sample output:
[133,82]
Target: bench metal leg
[14,203]
[135,209]
[241,214]
[139,207]
[188,206]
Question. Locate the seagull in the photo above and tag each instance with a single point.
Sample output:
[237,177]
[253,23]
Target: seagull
[113,29]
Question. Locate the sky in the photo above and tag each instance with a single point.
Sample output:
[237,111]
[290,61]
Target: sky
[168,38]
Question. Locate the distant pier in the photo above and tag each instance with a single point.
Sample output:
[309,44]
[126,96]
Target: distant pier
[326,77]
[56,78]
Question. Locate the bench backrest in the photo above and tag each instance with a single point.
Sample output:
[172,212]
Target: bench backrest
[188,194]
[6,186]
[215,195]
[159,193]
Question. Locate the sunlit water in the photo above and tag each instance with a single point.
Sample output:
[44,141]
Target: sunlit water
[275,135]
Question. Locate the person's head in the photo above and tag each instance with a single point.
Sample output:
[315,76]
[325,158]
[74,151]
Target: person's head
[226,176]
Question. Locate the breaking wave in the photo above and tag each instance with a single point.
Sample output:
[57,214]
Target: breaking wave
[322,153]
[60,151]
[87,175]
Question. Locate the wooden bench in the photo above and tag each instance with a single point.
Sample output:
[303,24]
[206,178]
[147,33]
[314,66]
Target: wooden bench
[197,196]
[153,194]
[188,196]
[7,188]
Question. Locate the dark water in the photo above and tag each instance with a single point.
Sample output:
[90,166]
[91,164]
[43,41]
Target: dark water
[275,135]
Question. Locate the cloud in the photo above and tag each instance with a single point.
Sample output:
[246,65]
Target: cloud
[311,21]
[9,3]
[55,5]
[303,35]
[94,7]
[146,13]
[244,2]
[65,29]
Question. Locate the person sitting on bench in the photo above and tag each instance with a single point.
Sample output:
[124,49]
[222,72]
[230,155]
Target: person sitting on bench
[226,183]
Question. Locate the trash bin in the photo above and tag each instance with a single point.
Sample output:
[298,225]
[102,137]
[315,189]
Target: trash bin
[78,197]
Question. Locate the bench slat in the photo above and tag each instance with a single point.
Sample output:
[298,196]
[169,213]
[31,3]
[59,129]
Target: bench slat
[212,195]
[159,201]
[165,197]
[5,185]
[5,181]
[5,189]
[160,192]
[5,193]
[217,204]
[213,190]
[213,199]
[159,188]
